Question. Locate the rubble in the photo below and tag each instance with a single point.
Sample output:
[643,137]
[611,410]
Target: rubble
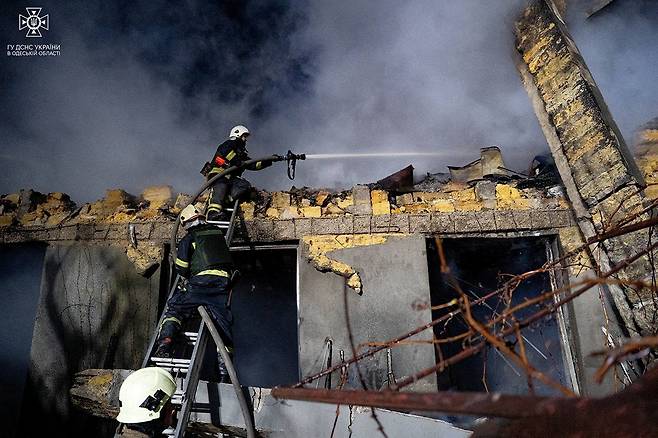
[489,165]
[146,257]
[435,205]
[282,215]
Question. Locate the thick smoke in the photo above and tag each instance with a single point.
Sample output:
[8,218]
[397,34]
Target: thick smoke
[620,46]
[143,92]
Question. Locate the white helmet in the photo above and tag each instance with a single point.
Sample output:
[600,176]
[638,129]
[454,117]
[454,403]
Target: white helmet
[238,131]
[143,394]
[189,213]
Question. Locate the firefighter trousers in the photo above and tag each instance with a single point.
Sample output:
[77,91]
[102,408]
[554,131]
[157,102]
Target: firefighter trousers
[226,190]
[212,293]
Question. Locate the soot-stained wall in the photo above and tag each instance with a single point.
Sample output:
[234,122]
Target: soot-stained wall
[94,311]
[20,274]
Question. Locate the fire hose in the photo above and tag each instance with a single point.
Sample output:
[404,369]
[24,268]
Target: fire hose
[291,159]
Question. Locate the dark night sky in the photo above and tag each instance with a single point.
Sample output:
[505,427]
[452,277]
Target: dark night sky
[143,91]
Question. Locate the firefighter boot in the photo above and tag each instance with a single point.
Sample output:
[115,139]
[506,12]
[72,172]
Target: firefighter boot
[164,348]
[214,215]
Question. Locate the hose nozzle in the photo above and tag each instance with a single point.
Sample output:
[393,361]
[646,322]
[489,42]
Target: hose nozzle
[292,158]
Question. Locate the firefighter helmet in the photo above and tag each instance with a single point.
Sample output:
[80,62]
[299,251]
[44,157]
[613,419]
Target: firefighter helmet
[189,213]
[143,394]
[238,131]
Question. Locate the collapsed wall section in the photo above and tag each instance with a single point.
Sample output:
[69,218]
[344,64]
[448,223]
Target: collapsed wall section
[603,182]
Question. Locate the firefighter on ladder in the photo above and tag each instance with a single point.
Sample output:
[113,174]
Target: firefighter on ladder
[203,258]
[228,188]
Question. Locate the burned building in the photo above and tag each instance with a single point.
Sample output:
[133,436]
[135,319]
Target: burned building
[331,274]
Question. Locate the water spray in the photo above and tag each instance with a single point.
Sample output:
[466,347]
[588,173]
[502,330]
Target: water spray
[375,154]
[291,158]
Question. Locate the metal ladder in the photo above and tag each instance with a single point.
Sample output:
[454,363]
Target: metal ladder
[186,370]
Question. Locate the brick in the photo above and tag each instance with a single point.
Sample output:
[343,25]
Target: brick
[334,225]
[12,237]
[420,223]
[261,230]
[283,230]
[66,233]
[485,190]
[101,231]
[361,201]
[443,205]
[311,211]
[290,213]
[390,223]
[117,232]
[84,232]
[562,218]
[303,227]
[442,223]
[466,222]
[522,219]
[486,220]
[331,210]
[541,219]
[405,199]
[280,200]
[504,220]
[361,224]
[321,197]
[39,234]
[380,204]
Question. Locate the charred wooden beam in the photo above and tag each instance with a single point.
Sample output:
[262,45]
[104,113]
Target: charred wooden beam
[632,412]
[486,404]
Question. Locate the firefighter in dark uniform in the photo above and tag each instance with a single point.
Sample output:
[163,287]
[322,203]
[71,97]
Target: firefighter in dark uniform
[233,152]
[204,259]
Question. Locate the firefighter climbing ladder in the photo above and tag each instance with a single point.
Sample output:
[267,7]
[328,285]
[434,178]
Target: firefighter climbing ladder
[186,370]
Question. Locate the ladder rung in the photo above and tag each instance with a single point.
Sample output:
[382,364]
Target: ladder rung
[191,335]
[171,360]
[174,369]
[219,224]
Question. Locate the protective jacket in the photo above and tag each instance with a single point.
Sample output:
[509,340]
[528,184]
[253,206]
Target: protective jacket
[203,252]
[233,152]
